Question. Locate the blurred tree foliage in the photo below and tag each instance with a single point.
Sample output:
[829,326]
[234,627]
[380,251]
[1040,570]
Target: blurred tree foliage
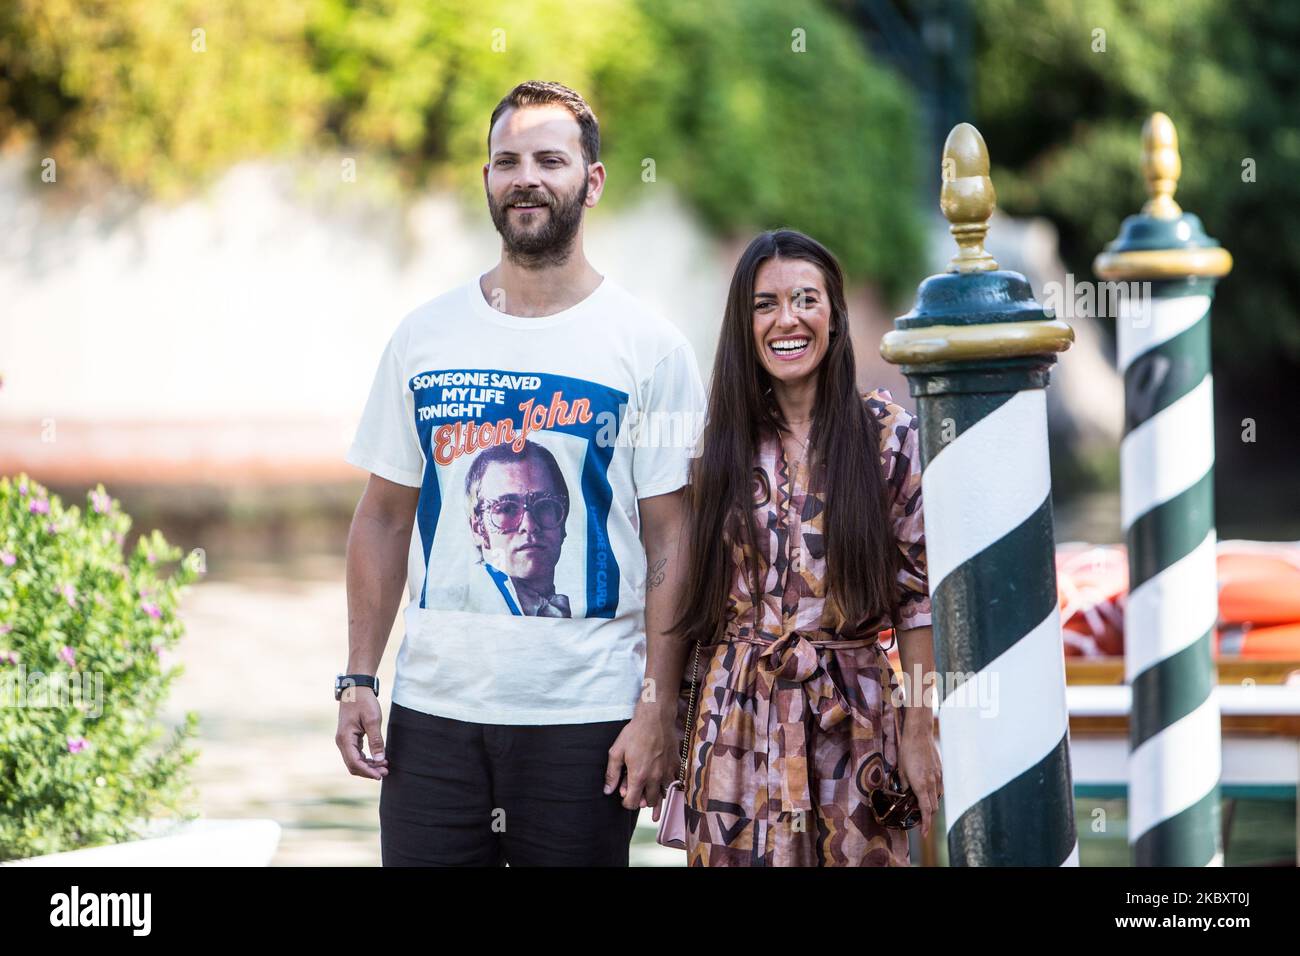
[1064,128]
[118,87]
[750,132]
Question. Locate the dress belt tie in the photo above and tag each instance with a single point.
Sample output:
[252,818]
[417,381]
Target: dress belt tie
[798,693]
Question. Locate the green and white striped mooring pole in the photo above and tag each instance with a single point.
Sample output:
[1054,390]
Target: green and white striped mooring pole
[1167,513]
[977,350]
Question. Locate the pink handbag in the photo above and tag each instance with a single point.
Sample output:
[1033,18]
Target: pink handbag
[672,812]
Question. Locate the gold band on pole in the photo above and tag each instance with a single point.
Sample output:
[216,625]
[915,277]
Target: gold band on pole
[1214,262]
[965,343]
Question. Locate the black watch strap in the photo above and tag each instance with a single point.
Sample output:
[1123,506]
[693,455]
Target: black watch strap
[344,681]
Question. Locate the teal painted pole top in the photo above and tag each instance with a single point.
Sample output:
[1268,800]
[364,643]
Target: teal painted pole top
[974,312]
[1162,241]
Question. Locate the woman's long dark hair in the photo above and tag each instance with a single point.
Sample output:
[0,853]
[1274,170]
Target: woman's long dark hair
[860,551]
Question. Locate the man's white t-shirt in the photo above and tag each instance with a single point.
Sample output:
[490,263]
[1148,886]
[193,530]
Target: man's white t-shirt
[531,441]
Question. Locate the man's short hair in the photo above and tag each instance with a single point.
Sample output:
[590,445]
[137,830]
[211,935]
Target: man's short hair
[542,93]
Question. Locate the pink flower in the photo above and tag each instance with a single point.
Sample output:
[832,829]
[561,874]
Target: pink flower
[151,609]
[101,502]
[8,558]
[22,488]
[9,657]
[69,593]
[39,506]
[51,529]
[76,745]
[68,655]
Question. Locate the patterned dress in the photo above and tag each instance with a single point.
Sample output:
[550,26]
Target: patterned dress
[790,715]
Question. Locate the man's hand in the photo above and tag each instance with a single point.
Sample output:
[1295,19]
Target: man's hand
[649,745]
[360,717]
[645,748]
[376,576]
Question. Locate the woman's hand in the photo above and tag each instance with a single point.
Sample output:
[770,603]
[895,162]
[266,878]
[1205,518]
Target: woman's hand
[919,766]
[918,756]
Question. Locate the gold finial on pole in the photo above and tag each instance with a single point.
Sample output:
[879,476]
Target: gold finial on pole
[1161,166]
[967,198]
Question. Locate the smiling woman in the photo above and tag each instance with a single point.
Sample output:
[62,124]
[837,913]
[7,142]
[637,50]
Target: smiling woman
[806,541]
[791,322]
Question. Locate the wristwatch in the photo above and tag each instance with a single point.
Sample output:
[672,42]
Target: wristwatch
[344,681]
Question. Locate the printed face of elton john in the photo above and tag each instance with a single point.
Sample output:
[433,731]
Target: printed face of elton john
[520,520]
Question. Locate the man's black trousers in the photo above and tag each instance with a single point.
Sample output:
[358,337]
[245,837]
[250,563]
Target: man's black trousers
[466,794]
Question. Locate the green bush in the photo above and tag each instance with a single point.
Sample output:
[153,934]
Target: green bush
[82,631]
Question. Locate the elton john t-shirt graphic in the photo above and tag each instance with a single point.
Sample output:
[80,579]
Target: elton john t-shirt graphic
[516,486]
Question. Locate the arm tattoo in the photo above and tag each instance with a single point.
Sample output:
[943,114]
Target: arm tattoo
[656,574]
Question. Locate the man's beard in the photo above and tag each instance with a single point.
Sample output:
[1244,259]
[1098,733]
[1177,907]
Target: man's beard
[549,244]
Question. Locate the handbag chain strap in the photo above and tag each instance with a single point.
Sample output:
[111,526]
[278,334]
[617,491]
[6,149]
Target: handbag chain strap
[690,716]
